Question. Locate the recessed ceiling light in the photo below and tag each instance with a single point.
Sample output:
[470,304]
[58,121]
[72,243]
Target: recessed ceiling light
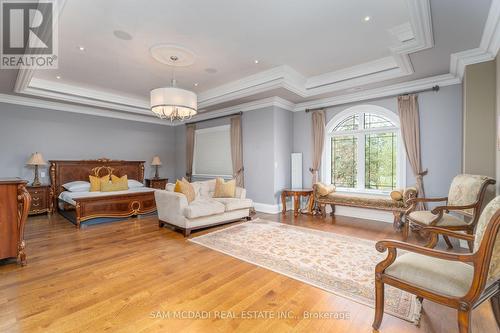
[58,77]
[367,18]
[196,84]
[256,61]
[120,34]
[81,48]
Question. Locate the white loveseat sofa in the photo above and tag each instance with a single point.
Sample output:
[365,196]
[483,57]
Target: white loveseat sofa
[204,211]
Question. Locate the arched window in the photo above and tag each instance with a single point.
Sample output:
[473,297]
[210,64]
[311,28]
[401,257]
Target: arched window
[363,150]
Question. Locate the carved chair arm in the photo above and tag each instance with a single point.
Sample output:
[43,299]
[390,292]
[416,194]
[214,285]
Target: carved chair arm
[392,245]
[416,200]
[439,209]
[436,231]
[412,203]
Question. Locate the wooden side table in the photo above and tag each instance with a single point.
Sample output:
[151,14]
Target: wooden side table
[41,199]
[296,193]
[157,183]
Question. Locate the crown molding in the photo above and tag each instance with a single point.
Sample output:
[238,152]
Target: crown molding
[488,47]
[66,107]
[395,89]
[459,60]
[245,107]
[490,40]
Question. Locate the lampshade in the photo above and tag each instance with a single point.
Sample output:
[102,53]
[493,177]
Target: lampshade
[174,103]
[36,159]
[156,161]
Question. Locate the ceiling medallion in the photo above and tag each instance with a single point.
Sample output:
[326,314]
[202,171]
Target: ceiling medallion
[171,102]
[163,53]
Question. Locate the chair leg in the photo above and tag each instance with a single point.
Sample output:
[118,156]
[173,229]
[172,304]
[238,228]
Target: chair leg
[448,242]
[379,304]
[464,321]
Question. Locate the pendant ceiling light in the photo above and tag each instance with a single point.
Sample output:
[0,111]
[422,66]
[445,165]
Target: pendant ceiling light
[174,103]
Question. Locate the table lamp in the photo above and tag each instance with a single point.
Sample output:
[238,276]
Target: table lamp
[36,159]
[156,163]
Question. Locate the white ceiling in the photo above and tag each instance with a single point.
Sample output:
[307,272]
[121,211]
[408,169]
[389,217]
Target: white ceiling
[307,50]
[312,37]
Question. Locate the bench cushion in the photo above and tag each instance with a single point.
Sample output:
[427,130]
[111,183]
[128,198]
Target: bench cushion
[362,200]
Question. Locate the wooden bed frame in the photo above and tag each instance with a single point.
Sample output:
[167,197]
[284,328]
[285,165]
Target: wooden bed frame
[112,206]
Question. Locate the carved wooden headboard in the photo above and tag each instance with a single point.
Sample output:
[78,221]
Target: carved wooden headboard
[62,172]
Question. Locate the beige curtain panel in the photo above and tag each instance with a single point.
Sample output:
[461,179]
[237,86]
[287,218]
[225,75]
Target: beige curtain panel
[410,131]
[190,128]
[237,150]
[318,132]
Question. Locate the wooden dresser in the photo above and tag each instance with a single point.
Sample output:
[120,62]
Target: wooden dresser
[157,183]
[41,199]
[14,205]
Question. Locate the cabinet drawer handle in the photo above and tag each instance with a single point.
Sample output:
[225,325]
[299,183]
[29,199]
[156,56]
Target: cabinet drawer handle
[36,198]
[35,204]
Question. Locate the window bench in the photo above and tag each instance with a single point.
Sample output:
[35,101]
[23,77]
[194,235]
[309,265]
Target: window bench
[379,202]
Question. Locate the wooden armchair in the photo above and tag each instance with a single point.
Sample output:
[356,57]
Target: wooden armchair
[460,281]
[464,198]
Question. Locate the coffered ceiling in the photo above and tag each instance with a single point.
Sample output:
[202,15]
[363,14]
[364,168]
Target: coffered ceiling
[295,53]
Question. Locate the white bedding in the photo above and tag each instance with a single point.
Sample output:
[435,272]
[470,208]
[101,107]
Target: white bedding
[68,196]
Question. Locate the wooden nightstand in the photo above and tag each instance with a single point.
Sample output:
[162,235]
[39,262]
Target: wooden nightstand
[41,199]
[159,183]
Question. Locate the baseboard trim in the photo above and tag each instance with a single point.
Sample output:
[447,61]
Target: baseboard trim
[360,213]
[267,208]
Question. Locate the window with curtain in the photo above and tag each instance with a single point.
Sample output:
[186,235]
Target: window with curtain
[363,151]
[212,152]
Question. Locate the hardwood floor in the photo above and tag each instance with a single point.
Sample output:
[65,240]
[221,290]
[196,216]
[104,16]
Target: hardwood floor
[128,276]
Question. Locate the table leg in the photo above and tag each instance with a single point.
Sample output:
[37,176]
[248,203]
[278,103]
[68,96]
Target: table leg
[296,205]
[283,203]
[310,204]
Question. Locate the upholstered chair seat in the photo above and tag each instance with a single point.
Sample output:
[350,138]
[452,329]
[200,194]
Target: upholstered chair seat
[451,278]
[426,217]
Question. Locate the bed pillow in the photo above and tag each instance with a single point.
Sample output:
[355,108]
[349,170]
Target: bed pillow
[120,181]
[132,183]
[112,187]
[95,182]
[77,186]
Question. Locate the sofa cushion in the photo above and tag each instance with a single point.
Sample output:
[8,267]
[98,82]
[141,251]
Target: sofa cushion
[231,204]
[203,207]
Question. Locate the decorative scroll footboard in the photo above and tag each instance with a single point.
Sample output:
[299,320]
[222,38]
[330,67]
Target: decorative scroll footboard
[123,205]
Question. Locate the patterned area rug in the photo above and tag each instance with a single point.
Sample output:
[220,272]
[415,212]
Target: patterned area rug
[339,264]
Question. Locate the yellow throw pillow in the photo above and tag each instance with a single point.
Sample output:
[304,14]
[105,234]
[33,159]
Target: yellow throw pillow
[95,182]
[120,181]
[107,186]
[177,185]
[224,189]
[184,187]
[396,195]
[324,189]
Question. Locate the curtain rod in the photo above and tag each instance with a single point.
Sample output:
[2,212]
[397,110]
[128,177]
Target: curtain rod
[435,89]
[220,117]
